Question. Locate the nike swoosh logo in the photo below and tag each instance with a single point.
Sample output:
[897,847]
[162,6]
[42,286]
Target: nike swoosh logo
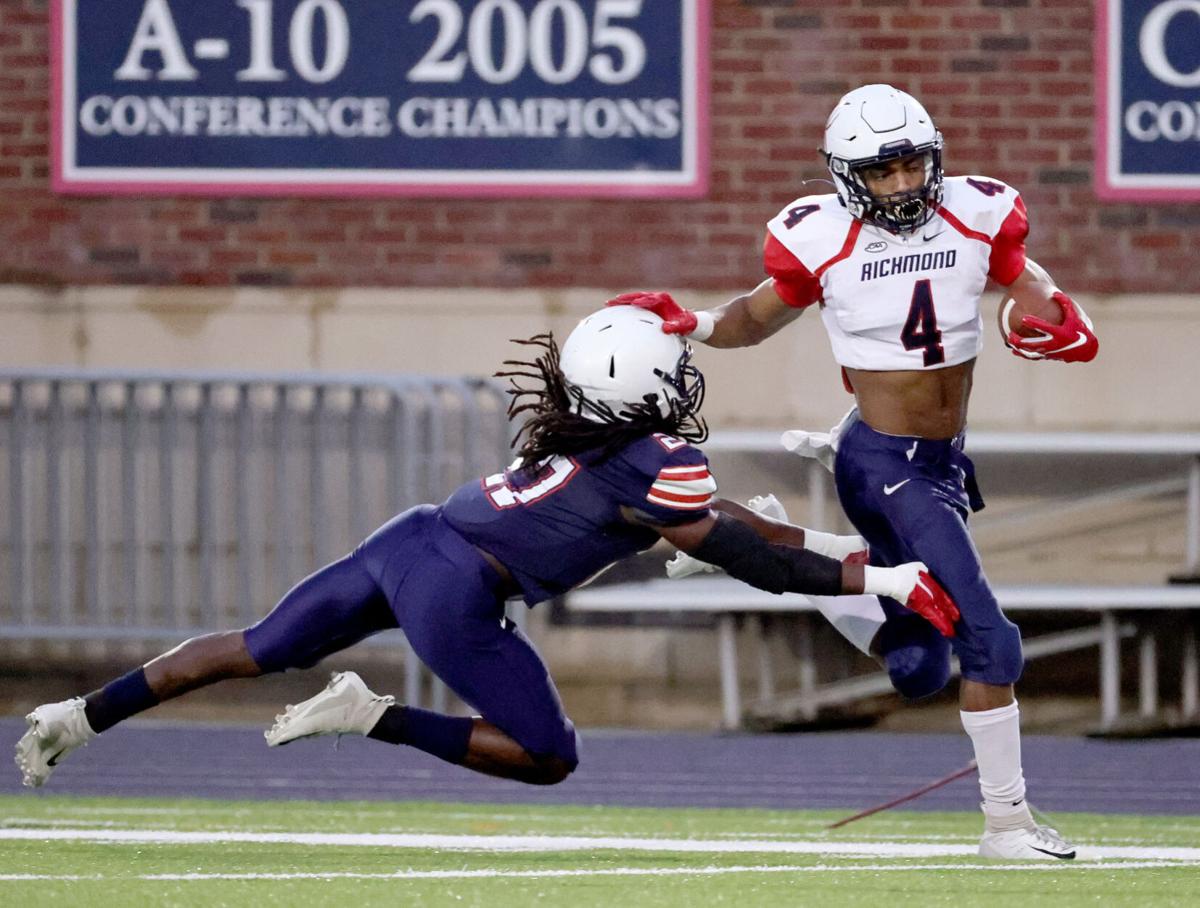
[1062,855]
[1080,340]
[888,490]
[53,761]
[1043,337]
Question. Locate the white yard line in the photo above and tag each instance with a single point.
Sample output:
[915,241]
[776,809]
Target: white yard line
[557,843]
[600,871]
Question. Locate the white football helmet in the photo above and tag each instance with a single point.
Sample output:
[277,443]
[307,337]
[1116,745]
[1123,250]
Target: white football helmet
[874,124]
[618,361]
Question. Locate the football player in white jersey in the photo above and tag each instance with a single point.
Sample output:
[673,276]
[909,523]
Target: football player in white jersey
[896,260]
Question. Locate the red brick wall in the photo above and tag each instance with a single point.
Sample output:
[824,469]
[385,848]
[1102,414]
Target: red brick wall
[1009,82]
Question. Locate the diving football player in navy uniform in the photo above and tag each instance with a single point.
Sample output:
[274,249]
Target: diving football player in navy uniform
[896,260]
[607,467]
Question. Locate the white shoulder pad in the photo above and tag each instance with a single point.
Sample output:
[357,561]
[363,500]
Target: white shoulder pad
[813,228]
[980,203]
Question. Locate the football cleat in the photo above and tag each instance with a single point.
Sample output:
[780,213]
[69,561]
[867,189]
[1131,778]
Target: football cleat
[1040,843]
[345,707]
[1013,834]
[55,729]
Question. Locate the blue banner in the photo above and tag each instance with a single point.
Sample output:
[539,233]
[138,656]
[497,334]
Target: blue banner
[1148,64]
[401,97]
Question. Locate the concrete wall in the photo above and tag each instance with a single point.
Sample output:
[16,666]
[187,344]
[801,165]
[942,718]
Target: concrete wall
[1144,378]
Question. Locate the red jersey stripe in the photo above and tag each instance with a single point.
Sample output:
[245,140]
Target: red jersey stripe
[963,228]
[680,505]
[679,497]
[847,247]
[684,475]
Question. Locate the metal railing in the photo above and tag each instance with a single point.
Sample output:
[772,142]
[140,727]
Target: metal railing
[154,506]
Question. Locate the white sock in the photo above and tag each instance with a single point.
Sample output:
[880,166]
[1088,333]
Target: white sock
[996,735]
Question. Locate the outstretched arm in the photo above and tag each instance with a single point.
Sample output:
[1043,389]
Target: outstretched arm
[744,321]
[763,552]
[751,318]
[779,530]
[778,567]
[1072,341]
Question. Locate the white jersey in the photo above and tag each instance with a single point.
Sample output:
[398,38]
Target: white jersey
[900,301]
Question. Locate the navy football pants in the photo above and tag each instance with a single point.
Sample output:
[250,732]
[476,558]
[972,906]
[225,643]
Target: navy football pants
[909,498]
[417,573]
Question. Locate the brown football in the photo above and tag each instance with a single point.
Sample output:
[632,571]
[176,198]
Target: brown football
[1029,304]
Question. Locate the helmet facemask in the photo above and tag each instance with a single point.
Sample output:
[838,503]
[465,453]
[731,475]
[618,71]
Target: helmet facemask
[876,125]
[898,212]
[688,382]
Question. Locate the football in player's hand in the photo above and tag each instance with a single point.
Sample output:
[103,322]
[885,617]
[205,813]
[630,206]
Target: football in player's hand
[1027,303]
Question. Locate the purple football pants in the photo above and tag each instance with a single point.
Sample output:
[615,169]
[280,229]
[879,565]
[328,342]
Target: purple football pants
[417,573]
[909,498]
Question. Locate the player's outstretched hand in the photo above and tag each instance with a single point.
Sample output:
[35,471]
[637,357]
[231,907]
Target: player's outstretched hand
[676,319]
[927,598]
[684,565]
[1074,341]
[912,584]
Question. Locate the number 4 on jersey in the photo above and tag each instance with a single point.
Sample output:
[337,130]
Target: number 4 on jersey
[920,328]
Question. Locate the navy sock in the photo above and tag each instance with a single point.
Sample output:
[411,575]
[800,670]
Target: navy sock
[445,737]
[118,700]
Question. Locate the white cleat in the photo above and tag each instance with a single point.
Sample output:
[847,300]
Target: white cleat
[1039,843]
[345,706]
[55,729]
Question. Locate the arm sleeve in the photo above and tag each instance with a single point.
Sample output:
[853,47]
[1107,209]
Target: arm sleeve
[794,284]
[773,567]
[1007,259]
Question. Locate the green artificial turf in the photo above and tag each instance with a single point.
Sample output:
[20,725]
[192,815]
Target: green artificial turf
[156,871]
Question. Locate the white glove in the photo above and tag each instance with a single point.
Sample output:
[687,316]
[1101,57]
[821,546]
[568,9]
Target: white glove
[769,506]
[684,565]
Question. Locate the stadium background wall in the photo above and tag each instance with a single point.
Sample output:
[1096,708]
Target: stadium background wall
[438,285]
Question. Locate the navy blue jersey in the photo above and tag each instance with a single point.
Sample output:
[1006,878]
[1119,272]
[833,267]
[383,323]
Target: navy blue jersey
[559,523]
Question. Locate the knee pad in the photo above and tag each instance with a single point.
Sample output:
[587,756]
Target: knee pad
[1005,660]
[567,748]
[918,660]
[559,760]
[552,770]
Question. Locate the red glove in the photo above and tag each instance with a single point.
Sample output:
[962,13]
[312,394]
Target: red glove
[676,319]
[933,603]
[912,584]
[1074,341]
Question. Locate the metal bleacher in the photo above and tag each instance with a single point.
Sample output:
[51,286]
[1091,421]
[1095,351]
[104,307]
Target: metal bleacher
[154,506]
[1163,466]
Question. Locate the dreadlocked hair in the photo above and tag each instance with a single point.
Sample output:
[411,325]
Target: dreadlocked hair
[551,428]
